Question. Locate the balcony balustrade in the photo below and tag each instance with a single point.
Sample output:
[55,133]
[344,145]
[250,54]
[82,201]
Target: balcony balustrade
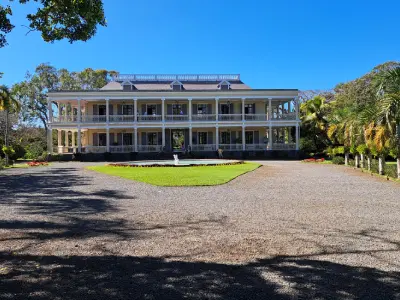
[121,118]
[203,147]
[94,149]
[255,117]
[203,117]
[230,117]
[282,146]
[122,149]
[149,148]
[230,147]
[284,117]
[254,147]
[175,118]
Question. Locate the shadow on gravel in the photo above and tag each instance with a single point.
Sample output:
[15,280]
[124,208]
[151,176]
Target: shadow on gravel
[116,277]
[60,194]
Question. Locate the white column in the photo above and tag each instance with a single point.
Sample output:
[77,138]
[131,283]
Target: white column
[297,108]
[243,138]
[107,111]
[59,140]
[243,114]
[190,137]
[190,109]
[135,139]
[269,108]
[297,136]
[135,108]
[216,109]
[79,111]
[73,138]
[216,137]
[163,112]
[79,140]
[163,137]
[270,141]
[66,139]
[108,139]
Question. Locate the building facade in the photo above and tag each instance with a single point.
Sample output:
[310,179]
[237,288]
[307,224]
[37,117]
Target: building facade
[174,113]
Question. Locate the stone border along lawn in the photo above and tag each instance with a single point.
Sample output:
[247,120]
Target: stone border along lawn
[173,176]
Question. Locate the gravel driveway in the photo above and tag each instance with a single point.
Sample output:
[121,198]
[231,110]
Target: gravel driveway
[288,230]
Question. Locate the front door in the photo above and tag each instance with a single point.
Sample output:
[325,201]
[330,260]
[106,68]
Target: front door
[178,140]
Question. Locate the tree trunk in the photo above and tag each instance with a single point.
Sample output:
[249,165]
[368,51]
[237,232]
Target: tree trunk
[369,162]
[357,161]
[398,166]
[346,159]
[381,165]
[6,139]
[362,160]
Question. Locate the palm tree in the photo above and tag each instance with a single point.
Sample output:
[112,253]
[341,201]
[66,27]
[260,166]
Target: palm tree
[7,103]
[389,105]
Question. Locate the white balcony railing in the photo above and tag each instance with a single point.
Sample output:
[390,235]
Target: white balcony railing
[255,117]
[230,117]
[254,147]
[202,118]
[174,118]
[203,147]
[281,146]
[121,118]
[95,149]
[65,119]
[230,147]
[94,119]
[149,118]
[149,148]
[284,117]
[122,149]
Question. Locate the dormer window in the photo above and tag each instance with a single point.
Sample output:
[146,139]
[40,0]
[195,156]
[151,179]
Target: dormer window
[224,85]
[127,86]
[176,85]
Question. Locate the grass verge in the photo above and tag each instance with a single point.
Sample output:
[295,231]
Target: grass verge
[185,176]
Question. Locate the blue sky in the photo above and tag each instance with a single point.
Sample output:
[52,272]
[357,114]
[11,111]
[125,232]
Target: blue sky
[272,44]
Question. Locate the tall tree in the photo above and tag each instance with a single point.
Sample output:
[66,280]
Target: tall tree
[32,92]
[7,103]
[75,20]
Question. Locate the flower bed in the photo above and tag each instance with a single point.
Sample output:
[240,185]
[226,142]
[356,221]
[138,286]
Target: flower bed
[37,163]
[314,160]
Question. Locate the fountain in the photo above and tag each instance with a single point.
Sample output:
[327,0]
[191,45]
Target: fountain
[176,159]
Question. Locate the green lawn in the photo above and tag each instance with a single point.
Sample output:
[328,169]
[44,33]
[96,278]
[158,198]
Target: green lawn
[179,176]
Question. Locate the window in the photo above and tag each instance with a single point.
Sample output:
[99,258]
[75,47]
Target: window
[127,139]
[249,109]
[102,110]
[224,85]
[225,109]
[201,109]
[151,109]
[202,138]
[249,135]
[127,109]
[225,137]
[102,139]
[152,138]
[177,109]
[176,85]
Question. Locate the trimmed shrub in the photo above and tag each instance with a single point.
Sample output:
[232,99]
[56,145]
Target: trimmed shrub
[390,170]
[2,163]
[338,160]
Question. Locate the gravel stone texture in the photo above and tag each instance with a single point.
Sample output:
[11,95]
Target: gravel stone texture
[288,230]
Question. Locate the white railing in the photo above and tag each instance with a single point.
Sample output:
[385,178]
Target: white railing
[205,117]
[122,149]
[253,147]
[254,117]
[94,119]
[203,147]
[176,117]
[281,146]
[65,119]
[230,117]
[284,117]
[149,118]
[230,147]
[149,148]
[95,149]
[122,118]
[179,77]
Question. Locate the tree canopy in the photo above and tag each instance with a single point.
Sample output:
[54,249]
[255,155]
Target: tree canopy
[75,20]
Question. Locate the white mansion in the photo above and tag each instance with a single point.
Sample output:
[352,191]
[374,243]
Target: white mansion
[153,113]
